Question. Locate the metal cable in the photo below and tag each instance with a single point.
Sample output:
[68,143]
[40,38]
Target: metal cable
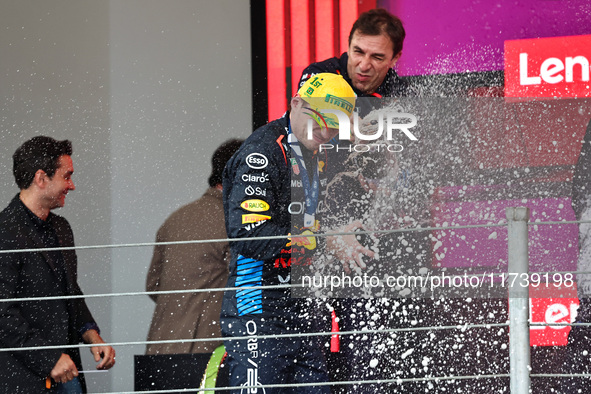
[270,237]
[462,327]
[398,381]
[400,230]
[159,292]
[560,375]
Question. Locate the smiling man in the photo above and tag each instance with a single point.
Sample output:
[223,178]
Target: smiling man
[43,171]
[375,46]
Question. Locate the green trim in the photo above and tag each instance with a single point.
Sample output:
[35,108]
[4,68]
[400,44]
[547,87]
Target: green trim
[213,367]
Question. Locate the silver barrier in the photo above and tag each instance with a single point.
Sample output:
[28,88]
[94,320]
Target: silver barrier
[520,359]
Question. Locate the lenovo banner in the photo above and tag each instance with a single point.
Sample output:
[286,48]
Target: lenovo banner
[548,67]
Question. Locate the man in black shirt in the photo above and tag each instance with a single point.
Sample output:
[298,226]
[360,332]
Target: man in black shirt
[43,170]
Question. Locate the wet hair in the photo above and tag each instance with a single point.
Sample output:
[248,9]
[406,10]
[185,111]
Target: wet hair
[379,21]
[219,159]
[38,153]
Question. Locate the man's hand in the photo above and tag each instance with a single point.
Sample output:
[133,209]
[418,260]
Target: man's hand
[64,370]
[347,249]
[103,353]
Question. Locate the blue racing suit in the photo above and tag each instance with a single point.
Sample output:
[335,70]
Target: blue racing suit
[263,193]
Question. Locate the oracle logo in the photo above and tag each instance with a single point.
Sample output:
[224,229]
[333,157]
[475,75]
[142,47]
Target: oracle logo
[548,67]
[554,70]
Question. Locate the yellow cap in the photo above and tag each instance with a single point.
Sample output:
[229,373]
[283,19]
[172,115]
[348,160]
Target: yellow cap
[328,91]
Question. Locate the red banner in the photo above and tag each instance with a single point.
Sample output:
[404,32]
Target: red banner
[553,312]
[548,67]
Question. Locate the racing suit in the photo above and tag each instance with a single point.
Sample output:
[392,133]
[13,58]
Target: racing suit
[263,193]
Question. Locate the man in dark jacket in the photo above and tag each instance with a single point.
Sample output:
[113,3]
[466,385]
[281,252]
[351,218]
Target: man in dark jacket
[274,186]
[375,46]
[43,171]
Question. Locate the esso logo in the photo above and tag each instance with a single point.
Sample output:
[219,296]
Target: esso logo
[257,161]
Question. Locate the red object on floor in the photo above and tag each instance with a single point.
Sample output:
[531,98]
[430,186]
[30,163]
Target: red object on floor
[335,341]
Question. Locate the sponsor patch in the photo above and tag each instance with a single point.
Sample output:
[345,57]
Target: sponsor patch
[283,280]
[321,165]
[255,205]
[252,226]
[294,166]
[262,178]
[253,218]
[307,242]
[257,161]
[250,191]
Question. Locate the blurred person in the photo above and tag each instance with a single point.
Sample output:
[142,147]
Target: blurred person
[181,316]
[43,170]
[274,186]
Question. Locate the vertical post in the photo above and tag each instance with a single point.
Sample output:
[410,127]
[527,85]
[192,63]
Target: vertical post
[518,284]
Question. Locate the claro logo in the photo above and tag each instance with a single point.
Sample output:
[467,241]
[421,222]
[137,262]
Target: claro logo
[548,67]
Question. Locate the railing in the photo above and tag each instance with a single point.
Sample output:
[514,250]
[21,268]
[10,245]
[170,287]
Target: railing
[519,326]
